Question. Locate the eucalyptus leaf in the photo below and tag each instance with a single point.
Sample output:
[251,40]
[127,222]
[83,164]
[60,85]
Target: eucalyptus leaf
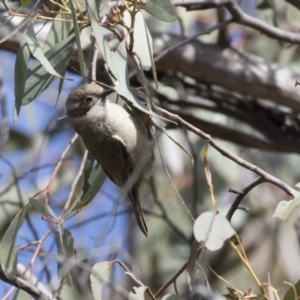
[58,31]
[8,253]
[141,36]
[25,3]
[100,277]
[102,44]
[213,229]
[22,59]
[89,185]
[78,42]
[102,7]
[139,294]
[37,52]
[161,9]
[285,208]
[38,79]
[42,207]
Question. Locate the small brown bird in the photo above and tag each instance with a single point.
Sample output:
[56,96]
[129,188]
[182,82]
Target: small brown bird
[116,138]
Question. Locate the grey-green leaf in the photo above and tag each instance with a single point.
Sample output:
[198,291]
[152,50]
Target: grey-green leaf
[97,30]
[21,72]
[102,7]
[38,79]
[8,253]
[78,42]
[58,32]
[89,186]
[161,9]
[139,294]
[37,52]
[42,207]
[213,229]
[100,277]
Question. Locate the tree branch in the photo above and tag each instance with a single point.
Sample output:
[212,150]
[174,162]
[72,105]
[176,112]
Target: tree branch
[267,177]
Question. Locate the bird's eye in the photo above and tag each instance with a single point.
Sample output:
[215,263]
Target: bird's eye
[89,99]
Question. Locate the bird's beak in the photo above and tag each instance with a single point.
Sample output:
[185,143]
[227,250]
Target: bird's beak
[107,92]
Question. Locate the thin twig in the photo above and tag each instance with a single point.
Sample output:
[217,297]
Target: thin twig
[235,205]
[267,177]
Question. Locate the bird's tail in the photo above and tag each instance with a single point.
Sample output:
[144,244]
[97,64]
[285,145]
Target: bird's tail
[138,210]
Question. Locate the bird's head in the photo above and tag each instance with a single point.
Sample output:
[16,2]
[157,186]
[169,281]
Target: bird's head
[83,98]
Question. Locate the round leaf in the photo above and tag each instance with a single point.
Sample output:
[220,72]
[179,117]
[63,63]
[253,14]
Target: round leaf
[213,229]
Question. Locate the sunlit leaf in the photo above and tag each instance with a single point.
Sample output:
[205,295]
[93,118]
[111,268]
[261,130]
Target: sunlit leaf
[38,79]
[161,9]
[213,229]
[21,71]
[100,277]
[285,208]
[8,253]
[140,34]
[139,294]
[42,207]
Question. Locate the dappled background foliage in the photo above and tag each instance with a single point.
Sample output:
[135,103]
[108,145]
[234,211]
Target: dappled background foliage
[222,75]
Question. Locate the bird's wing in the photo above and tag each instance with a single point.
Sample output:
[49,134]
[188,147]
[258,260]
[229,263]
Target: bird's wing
[116,154]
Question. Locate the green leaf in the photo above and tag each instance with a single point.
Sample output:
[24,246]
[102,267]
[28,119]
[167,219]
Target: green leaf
[172,297]
[65,248]
[122,86]
[25,3]
[100,277]
[59,31]
[8,253]
[78,42]
[102,7]
[21,71]
[290,294]
[213,229]
[42,207]
[139,294]
[161,9]
[98,33]
[38,79]
[285,208]
[68,244]
[37,52]
[89,186]
[141,35]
